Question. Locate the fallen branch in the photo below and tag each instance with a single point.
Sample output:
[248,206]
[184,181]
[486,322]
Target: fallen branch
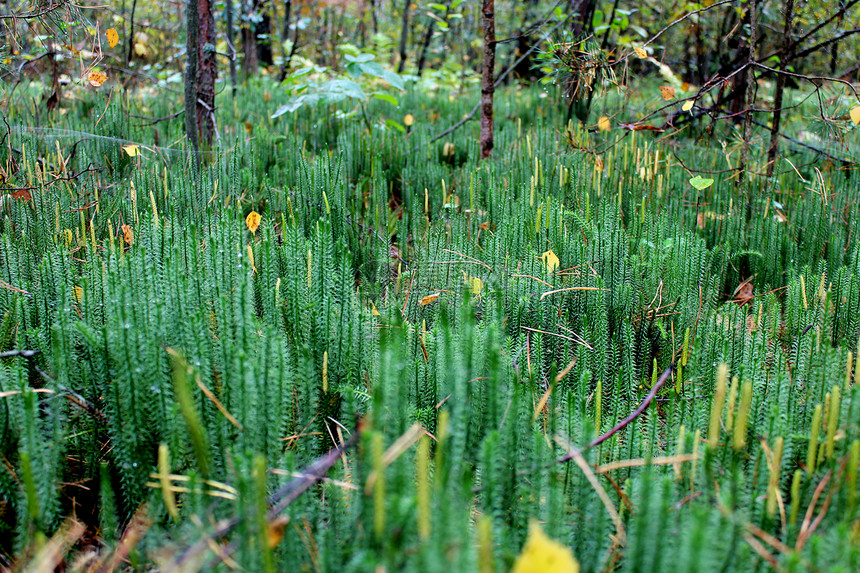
[620,425]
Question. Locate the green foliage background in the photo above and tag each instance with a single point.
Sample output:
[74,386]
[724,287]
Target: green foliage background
[357,220]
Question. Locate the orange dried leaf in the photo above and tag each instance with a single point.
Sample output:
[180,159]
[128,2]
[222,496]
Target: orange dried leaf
[744,293]
[127,235]
[253,221]
[668,92]
[22,194]
[96,79]
[430,298]
[112,37]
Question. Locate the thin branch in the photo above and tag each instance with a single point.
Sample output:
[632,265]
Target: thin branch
[573,453]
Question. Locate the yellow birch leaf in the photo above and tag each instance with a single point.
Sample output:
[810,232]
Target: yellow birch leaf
[541,554]
[373,310]
[112,37]
[131,150]
[140,49]
[551,261]
[253,221]
[79,293]
[428,299]
[127,235]
[408,120]
[475,284]
[668,92]
[603,123]
[688,105]
[855,115]
[96,79]
[640,52]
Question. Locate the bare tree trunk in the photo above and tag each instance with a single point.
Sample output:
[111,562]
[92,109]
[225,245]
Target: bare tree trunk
[191,54]
[207,71]
[487,77]
[131,35]
[249,41]
[263,33]
[373,17]
[749,99]
[228,8]
[404,33]
[780,88]
[285,35]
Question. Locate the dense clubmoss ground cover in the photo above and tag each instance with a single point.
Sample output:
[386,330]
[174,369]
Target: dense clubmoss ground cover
[461,328]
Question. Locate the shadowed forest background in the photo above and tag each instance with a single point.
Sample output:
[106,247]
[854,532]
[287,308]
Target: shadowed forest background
[473,285]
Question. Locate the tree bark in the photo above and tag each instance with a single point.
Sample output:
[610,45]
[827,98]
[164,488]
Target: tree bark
[207,71]
[487,77]
[191,54]
[263,29]
[285,35]
[131,35]
[749,99]
[780,88]
[404,33]
[228,9]
[249,41]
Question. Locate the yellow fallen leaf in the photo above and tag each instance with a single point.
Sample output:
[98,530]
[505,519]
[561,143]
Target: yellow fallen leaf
[428,299]
[640,52]
[96,79]
[373,310]
[688,105]
[541,554]
[668,92]
[112,37]
[78,293]
[408,120]
[140,49]
[253,221]
[127,235]
[551,261]
[131,150]
[855,115]
[475,284]
[603,123]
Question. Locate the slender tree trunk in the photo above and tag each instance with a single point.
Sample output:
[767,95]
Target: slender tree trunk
[404,33]
[583,11]
[285,36]
[780,88]
[191,27]
[425,44]
[263,33]
[488,77]
[249,40]
[749,99]
[131,35]
[373,17]
[207,71]
[228,9]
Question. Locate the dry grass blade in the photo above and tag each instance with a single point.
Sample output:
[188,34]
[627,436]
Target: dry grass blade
[49,557]
[409,438]
[639,462]
[620,534]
